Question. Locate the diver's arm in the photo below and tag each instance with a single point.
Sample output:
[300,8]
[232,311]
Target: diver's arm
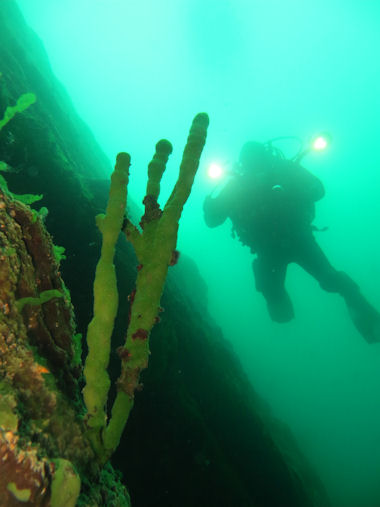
[313,186]
[216,209]
[306,185]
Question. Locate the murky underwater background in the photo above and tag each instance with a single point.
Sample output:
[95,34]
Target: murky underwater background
[140,71]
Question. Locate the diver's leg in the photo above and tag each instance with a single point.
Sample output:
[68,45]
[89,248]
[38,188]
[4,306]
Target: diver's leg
[270,279]
[364,316]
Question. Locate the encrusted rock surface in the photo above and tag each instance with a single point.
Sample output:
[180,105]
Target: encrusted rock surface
[40,407]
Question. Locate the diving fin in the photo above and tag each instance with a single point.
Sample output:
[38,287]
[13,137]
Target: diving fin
[366,320]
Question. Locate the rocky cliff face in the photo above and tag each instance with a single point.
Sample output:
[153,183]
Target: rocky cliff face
[199,434]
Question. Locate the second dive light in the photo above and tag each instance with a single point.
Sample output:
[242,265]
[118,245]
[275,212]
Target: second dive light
[319,143]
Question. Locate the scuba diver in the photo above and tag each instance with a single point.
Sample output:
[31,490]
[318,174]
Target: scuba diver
[271,203]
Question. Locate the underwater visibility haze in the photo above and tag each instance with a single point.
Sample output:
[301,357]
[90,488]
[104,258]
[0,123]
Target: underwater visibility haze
[140,71]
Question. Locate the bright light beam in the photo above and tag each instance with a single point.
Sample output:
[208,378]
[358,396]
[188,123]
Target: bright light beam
[215,171]
[320,143]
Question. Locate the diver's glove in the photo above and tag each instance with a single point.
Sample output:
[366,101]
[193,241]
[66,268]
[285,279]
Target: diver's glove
[214,211]
[207,203]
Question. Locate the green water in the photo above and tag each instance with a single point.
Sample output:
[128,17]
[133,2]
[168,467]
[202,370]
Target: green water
[139,71]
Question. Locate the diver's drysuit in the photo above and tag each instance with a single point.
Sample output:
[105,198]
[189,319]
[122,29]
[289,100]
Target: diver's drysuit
[272,210]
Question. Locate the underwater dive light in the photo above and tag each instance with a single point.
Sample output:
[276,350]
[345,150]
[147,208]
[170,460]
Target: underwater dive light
[215,171]
[320,143]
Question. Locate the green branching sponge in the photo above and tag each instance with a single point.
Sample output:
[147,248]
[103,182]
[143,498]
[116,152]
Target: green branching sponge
[155,247]
[105,305]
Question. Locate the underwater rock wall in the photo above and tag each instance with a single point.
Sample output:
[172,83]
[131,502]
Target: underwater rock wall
[48,148]
[42,435]
[198,434]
